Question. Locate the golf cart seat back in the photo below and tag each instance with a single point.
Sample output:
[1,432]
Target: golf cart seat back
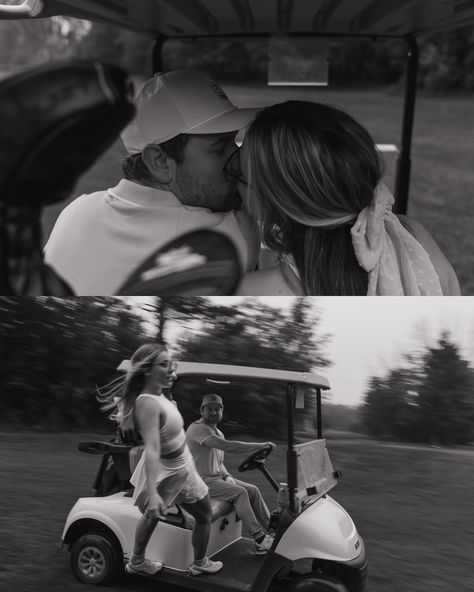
[124,459]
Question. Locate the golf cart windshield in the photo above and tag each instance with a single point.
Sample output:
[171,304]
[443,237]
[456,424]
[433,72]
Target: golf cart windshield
[315,471]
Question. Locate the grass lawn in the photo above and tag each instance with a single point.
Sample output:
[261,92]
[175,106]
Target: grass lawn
[442,178]
[413,507]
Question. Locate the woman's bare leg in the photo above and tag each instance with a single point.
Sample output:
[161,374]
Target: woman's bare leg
[145,528]
[201,512]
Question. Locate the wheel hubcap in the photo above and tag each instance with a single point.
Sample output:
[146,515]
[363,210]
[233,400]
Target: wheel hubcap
[91,562]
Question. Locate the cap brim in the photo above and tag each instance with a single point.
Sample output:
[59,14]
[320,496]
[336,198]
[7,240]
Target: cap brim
[231,121]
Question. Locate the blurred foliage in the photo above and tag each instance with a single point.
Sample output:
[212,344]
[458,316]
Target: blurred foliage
[55,351]
[27,43]
[430,399]
[446,58]
[253,334]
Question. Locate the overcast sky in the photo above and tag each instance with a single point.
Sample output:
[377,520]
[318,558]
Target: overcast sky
[370,335]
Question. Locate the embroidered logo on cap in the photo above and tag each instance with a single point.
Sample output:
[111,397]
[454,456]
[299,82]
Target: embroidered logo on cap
[217,90]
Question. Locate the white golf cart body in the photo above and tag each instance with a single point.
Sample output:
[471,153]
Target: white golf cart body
[169,544]
[311,526]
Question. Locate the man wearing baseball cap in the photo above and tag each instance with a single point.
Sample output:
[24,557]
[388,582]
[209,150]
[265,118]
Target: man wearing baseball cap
[175,181]
[208,445]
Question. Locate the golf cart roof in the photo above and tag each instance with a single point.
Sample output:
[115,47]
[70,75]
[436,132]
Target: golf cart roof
[200,18]
[225,372]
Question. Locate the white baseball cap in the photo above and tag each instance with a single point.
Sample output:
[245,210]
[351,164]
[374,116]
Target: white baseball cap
[182,102]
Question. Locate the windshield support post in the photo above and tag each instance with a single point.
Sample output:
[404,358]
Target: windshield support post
[291,452]
[402,179]
[158,54]
[318,411]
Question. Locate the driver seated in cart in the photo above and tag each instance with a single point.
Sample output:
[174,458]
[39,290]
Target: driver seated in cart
[208,446]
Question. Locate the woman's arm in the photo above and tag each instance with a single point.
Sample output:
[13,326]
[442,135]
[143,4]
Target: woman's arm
[148,419]
[267,282]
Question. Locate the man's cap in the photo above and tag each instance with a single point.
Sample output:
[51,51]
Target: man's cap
[215,399]
[182,102]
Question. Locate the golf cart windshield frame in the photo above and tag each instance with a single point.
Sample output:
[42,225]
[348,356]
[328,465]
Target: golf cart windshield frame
[292,379]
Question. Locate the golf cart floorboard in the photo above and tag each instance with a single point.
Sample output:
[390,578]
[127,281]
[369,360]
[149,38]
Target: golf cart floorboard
[241,566]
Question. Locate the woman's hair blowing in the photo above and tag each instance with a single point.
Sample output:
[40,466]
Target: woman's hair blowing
[122,392]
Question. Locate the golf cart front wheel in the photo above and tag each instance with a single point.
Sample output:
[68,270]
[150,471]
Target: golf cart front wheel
[317,583]
[96,560]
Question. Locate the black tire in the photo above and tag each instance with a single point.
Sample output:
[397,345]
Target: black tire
[317,583]
[96,559]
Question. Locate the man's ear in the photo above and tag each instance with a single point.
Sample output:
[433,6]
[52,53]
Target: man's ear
[160,165]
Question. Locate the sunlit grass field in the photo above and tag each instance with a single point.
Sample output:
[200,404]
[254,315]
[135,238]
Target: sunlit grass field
[412,506]
[442,180]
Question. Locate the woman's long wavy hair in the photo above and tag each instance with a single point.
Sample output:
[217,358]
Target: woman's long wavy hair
[121,393]
[310,162]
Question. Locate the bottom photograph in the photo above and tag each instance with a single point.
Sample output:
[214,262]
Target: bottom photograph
[313,444]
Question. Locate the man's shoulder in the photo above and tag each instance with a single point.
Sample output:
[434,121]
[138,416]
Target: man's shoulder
[82,204]
[198,426]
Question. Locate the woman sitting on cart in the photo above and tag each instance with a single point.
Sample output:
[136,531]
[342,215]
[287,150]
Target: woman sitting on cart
[166,473]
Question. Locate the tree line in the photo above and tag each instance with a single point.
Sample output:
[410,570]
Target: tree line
[429,399]
[446,58]
[55,352]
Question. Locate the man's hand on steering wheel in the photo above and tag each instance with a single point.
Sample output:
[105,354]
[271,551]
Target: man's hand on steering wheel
[257,458]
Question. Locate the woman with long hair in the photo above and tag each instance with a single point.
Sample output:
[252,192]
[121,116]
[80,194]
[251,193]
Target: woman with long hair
[311,175]
[165,473]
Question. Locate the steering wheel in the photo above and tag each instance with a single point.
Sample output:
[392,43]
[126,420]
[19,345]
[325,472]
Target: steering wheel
[256,458]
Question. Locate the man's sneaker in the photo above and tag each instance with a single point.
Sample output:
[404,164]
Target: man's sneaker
[208,567]
[147,566]
[265,545]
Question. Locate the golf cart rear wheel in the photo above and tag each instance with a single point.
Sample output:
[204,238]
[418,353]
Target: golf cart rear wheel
[95,559]
[317,583]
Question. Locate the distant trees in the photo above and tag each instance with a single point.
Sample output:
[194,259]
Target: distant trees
[253,334]
[446,58]
[30,42]
[53,353]
[431,400]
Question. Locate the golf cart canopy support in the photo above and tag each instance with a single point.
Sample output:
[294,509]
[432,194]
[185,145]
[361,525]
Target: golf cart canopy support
[205,19]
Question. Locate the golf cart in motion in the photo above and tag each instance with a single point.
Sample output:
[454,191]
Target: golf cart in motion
[316,547]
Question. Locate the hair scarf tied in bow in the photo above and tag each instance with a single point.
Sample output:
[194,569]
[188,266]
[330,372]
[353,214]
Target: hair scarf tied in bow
[396,262]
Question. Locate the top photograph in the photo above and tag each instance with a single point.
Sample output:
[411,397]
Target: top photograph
[236,147]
